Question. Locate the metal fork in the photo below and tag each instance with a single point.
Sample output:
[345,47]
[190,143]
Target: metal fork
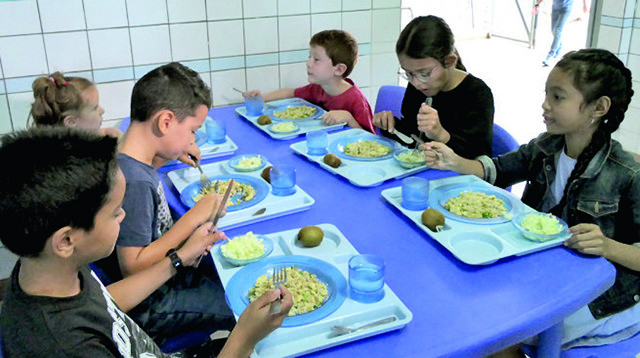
[279,278]
[204,180]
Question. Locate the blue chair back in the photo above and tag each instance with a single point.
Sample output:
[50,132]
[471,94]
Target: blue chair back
[628,348]
[125,124]
[503,142]
[390,99]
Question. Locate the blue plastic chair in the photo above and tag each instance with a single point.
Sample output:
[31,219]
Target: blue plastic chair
[503,142]
[124,124]
[172,344]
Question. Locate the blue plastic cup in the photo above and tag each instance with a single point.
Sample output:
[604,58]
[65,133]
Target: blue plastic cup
[254,105]
[366,278]
[415,191]
[317,142]
[216,130]
[283,180]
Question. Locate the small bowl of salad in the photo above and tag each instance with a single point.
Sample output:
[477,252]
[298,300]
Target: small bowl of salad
[409,158]
[247,162]
[245,249]
[540,227]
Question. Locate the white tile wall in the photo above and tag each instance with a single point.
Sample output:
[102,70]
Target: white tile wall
[261,35]
[383,69]
[348,5]
[186,10]
[259,8]
[23,55]
[294,32]
[361,74]
[226,38]
[223,9]
[293,7]
[110,48]
[631,122]
[189,41]
[102,14]
[265,79]
[19,108]
[67,51]
[326,5]
[61,15]
[358,24]
[115,98]
[293,75]
[635,42]
[147,12]
[150,44]
[386,3]
[614,8]
[7,261]
[609,38]
[222,84]
[5,122]
[17,18]
[386,25]
[328,21]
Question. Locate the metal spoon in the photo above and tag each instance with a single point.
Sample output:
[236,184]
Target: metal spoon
[341,330]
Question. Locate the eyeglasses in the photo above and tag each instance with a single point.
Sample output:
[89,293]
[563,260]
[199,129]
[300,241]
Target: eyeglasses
[420,76]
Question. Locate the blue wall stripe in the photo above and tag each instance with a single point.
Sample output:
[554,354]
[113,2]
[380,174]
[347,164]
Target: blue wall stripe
[198,65]
[113,74]
[364,49]
[266,59]
[21,84]
[227,63]
[140,71]
[1,86]
[294,56]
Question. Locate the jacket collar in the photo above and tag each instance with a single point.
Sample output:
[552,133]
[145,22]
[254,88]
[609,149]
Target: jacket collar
[551,144]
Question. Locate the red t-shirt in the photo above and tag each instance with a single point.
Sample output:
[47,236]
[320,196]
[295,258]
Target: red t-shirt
[351,100]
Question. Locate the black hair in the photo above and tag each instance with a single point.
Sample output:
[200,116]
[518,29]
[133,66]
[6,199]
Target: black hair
[428,36]
[53,177]
[173,87]
[597,73]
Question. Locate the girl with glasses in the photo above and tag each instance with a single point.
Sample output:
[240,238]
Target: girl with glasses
[461,109]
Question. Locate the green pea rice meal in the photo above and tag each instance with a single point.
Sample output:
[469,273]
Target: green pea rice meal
[240,192]
[296,112]
[308,292]
[366,149]
[476,205]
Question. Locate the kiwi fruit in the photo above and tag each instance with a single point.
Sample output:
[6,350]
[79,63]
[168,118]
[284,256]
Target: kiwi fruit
[332,160]
[266,174]
[310,236]
[433,219]
[264,120]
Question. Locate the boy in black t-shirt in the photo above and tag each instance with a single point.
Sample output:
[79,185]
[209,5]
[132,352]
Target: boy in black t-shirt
[61,209]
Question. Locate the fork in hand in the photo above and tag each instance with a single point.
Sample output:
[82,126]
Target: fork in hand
[204,180]
[279,278]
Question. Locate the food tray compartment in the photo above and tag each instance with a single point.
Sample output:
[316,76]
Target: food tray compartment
[336,250]
[363,173]
[472,242]
[275,206]
[304,125]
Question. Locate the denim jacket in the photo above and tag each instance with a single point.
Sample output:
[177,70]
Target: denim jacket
[606,194]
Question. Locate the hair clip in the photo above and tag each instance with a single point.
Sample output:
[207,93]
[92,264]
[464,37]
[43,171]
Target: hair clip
[52,80]
[66,83]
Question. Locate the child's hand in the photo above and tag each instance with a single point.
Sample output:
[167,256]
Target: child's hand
[207,207]
[252,93]
[199,243]
[438,155]
[384,120]
[256,322]
[194,151]
[429,123]
[336,117]
[589,239]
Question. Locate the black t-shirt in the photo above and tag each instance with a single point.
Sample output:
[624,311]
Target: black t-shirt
[86,325]
[466,112]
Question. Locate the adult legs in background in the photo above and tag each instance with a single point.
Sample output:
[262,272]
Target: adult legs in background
[559,18]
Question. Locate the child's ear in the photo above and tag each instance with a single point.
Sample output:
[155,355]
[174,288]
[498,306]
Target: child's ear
[601,107]
[70,121]
[163,121]
[62,243]
[450,60]
[339,69]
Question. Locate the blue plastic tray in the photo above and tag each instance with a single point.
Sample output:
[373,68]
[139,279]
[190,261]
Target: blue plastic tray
[311,332]
[304,125]
[260,186]
[239,285]
[275,205]
[472,242]
[365,173]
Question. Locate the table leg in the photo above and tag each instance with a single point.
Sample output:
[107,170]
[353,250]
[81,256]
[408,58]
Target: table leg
[550,341]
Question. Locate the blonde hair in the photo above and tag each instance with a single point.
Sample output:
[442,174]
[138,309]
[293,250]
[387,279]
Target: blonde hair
[56,97]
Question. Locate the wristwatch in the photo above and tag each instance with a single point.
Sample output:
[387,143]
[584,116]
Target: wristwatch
[176,262]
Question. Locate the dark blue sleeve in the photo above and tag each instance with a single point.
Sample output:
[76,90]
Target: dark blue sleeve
[137,228]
